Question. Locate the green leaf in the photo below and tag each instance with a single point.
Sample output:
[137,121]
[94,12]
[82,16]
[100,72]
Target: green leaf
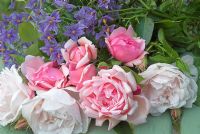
[124,128]
[155,125]
[99,130]
[144,29]
[182,66]
[126,69]
[190,123]
[138,78]
[103,64]
[115,62]
[19,59]
[27,32]
[170,51]
[161,58]
[34,50]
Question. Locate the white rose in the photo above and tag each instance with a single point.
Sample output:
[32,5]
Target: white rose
[55,112]
[167,88]
[12,94]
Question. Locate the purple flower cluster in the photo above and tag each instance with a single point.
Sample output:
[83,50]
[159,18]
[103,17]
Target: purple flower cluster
[48,26]
[86,19]
[53,27]
[9,37]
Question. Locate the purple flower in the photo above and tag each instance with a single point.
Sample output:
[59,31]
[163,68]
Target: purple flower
[25,45]
[12,4]
[6,19]
[38,15]
[48,38]
[35,4]
[57,56]
[104,4]
[17,18]
[9,36]
[60,3]
[53,50]
[64,3]
[6,56]
[50,23]
[74,31]
[48,48]
[106,30]
[2,48]
[105,20]
[69,7]
[86,16]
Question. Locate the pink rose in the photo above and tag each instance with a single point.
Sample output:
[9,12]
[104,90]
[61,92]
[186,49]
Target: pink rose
[43,76]
[126,48]
[78,76]
[81,54]
[110,96]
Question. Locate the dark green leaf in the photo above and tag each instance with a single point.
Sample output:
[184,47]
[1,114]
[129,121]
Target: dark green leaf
[27,32]
[103,54]
[144,28]
[123,128]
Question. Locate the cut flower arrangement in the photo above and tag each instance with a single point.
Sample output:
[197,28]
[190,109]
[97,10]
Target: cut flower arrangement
[74,66]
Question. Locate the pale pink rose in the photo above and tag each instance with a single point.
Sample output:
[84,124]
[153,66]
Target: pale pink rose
[81,54]
[168,88]
[126,48]
[13,93]
[55,112]
[110,96]
[43,76]
[78,76]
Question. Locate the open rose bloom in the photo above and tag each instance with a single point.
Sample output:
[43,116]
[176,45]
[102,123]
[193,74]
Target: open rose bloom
[13,93]
[126,48]
[44,76]
[168,88]
[55,112]
[110,96]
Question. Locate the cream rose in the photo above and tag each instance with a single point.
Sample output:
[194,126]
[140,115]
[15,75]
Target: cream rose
[167,88]
[55,112]
[13,92]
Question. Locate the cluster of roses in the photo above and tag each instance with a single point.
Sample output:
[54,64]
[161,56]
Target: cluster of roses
[62,98]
